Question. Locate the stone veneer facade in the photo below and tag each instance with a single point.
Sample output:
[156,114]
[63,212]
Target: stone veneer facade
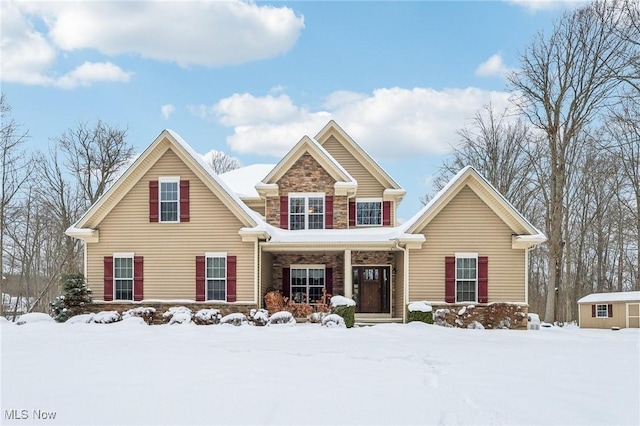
[333,260]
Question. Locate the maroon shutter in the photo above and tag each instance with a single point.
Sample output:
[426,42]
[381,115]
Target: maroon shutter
[593,310]
[483,279]
[352,213]
[450,279]
[328,272]
[153,201]
[386,213]
[108,278]
[284,212]
[184,201]
[286,282]
[200,279]
[328,212]
[138,278]
[231,278]
[610,311]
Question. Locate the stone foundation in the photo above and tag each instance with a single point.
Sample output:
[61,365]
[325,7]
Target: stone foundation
[498,315]
[162,307]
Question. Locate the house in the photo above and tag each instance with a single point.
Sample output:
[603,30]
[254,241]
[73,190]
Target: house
[323,219]
[606,310]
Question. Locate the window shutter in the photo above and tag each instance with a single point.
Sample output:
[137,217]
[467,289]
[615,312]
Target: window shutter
[610,311]
[184,201]
[386,213]
[328,272]
[450,279]
[284,212]
[200,279]
[352,213]
[328,212]
[286,282]
[593,310]
[153,201]
[108,278]
[231,278]
[138,278]
[483,279]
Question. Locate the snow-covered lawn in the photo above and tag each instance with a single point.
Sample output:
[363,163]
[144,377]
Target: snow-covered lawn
[131,373]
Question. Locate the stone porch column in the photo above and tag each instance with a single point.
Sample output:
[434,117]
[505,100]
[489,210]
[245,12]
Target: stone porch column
[348,276]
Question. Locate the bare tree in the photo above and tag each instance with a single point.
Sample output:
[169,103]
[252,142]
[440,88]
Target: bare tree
[565,81]
[221,162]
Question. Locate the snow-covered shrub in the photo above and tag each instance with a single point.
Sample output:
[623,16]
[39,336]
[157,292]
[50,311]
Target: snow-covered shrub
[440,317]
[207,316]
[33,317]
[346,308]
[317,317]
[178,315]
[146,313]
[476,326]
[72,302]
[282,318]
[259,317]
[81,319]
[505,323]
[106,317]
[236,318]
[420,311]
[333,320]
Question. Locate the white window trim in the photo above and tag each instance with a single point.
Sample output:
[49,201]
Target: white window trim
[370,200]
[306,196]
[464,255]
[124,255]
[306,267]
[212,255]
[168,179]
[606,311]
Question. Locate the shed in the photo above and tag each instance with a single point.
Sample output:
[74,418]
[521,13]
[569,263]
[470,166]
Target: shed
[606,310]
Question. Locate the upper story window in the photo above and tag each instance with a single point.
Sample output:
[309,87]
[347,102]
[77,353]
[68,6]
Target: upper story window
[369,212]
[466,277]
[306,211]
[170,199]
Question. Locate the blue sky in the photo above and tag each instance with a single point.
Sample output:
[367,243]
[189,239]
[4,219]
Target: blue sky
[251,79]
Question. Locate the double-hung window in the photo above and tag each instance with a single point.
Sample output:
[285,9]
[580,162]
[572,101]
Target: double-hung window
[602,311]
[307,283]
[216,270]
[123,277]
[306,211]
[169,199]
[466,277]
[369,212]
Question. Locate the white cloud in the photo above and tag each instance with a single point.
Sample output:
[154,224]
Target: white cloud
[540,5]
[493,67]
[90,72]
[167,110]
[389,123]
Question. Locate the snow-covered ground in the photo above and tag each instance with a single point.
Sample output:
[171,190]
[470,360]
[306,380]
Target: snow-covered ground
[131,373]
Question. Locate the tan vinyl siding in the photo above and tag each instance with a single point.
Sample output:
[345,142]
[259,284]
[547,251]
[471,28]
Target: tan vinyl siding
[368,185]
[619,318]
[257,205]
[170,249]
[398,287]
[467,224]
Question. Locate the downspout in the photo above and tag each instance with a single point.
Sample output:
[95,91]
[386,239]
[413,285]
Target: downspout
[405,265]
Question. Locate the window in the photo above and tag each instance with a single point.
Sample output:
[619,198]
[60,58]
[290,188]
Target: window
[602,311]
[123,277]
[169,199]
[368,212]
[306,211]
[466,277]
[307,283]
[216,276]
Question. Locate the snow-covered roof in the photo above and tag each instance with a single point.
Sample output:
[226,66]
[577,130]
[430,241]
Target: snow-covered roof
[620,296]
[243,180]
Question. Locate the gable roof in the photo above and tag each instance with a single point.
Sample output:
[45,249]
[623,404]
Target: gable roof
[243,180]
[620,296]
[333,129]
[527,234]
[166,140]
[321,155]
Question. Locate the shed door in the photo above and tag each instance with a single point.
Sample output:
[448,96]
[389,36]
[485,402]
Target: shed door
[633,315]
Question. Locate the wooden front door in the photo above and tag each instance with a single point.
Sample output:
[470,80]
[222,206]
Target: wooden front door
[371,285]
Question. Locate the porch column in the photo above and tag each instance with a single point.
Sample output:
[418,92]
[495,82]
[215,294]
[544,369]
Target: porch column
[348,276]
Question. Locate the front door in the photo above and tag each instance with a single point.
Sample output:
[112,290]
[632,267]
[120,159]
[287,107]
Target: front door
[371,286]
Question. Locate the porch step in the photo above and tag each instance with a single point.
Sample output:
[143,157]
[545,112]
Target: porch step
[373,321]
